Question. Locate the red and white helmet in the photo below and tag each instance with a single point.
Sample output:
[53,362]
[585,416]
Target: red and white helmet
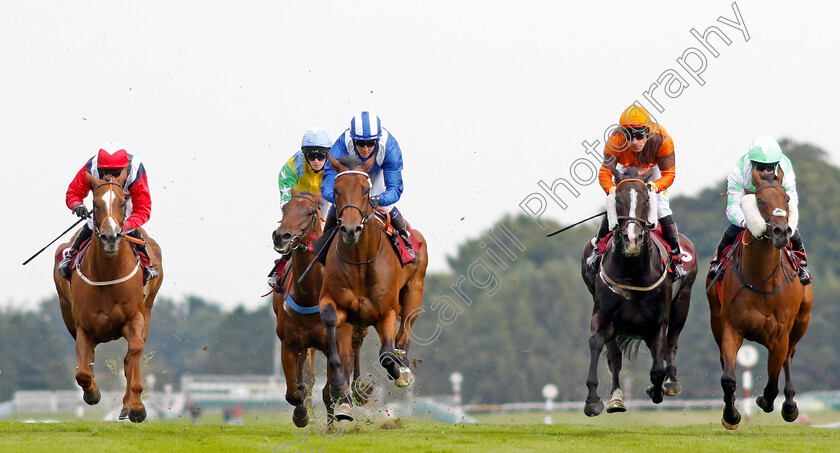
[112,155]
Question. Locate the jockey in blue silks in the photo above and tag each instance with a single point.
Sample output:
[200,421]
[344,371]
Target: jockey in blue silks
[367,139]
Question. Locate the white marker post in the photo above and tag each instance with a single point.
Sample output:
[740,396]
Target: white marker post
[549,392]
[747,357]
[456,378]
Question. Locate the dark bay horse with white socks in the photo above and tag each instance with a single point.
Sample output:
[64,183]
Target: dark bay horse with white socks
[106,298]
[365,284]
[299,326]
[634,297]
[760,298]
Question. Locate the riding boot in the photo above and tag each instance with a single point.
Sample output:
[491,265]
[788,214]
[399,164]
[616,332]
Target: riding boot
[593,261]
[718,261]
[149,272]
[70,254]
[398,222]
[670,233]
[797,246]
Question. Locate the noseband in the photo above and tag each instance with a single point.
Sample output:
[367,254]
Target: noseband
[96,226]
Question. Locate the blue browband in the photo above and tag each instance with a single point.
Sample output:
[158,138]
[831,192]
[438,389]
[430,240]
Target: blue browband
[299,309]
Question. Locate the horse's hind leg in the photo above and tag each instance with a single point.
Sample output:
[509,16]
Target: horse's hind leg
[657,369]
[133,333]
[679,313]
[594,405]
[84,373]
[361,389]
[775,360]
[616,403]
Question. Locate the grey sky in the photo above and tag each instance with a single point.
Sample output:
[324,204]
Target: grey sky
[486,98]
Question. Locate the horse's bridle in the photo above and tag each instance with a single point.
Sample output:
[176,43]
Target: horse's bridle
[776,212]
[643,223]
[365,219]
[312,225]
[95,225]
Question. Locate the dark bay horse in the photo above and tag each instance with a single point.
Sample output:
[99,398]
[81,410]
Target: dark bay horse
[634,296]
[760,299]
[365,284]
[106,298]
[299,326]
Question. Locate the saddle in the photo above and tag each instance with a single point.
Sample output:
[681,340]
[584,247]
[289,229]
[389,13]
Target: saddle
[76,262]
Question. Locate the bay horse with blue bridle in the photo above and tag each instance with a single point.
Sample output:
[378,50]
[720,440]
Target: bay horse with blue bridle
[299,326]
[634,297]
[365,283]
[106,299]
[760,298]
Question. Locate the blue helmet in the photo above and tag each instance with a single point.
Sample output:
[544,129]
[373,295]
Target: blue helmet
[316,137]
[365,126]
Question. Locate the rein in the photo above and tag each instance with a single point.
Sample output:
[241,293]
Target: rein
[612,283]
[744,284]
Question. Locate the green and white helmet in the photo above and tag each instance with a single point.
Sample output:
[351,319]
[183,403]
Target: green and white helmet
[765,150]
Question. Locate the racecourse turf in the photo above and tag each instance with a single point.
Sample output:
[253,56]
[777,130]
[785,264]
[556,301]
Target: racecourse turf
[415,435]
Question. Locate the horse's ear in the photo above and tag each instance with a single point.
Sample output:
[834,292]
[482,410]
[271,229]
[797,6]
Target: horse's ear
[93,181]
[616,174]
[780,174]
[122,177]
[367,165]
[756,176]
[294,192]
[336,165]
[316,197]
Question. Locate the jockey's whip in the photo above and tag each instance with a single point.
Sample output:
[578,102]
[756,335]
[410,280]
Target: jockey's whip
[320,253]
[575,224]
[51,242]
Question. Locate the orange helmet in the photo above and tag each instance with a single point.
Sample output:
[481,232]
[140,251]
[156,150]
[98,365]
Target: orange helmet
[636,117]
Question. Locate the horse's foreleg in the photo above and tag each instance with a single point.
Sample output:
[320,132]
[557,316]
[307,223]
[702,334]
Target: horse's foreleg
[387,329]
[789,410]
[134,333]
[84,373]
[775,360]
[616,403]
[594,405]
[657,369]
[330,319]
[730,343]
[290,360]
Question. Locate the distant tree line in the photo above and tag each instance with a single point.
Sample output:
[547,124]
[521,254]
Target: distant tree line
[525,321]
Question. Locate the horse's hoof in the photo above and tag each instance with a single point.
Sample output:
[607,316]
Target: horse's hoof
[124,413]
[616,406]
[342,412]
[766,406]
[338,393]
[406,378]
[655,396]
[672,388]
[137,416]
[92,397]
[300,416]
[729,426]
[789,411]
[593,409]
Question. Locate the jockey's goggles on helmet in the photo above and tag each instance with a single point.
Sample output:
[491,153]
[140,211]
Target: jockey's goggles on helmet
[361,143]
[639,134]
[105,172]
[762,167]
[316,155]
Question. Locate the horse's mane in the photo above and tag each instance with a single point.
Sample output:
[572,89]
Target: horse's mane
[350,161]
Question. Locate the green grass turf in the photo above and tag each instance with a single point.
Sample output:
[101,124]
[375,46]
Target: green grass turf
[669,431]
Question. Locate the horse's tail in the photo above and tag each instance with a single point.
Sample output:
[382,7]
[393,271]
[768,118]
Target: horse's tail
[629,346]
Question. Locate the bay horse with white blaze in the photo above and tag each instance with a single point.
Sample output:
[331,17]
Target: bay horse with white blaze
[299,326]
[635,299]
[365,283]
[760,298]
[106,298]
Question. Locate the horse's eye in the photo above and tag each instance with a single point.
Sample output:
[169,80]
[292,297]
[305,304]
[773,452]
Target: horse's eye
[760,201]
[787,198]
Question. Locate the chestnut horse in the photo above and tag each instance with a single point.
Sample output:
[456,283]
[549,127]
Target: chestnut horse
[106,298]
[760,299]
[634,295]
[365,284]
[299,326]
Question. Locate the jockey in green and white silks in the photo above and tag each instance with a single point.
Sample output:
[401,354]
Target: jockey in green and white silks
[764,155]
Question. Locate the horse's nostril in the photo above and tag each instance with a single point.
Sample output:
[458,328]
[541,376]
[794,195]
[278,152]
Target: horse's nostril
[358,229]
[287,236]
